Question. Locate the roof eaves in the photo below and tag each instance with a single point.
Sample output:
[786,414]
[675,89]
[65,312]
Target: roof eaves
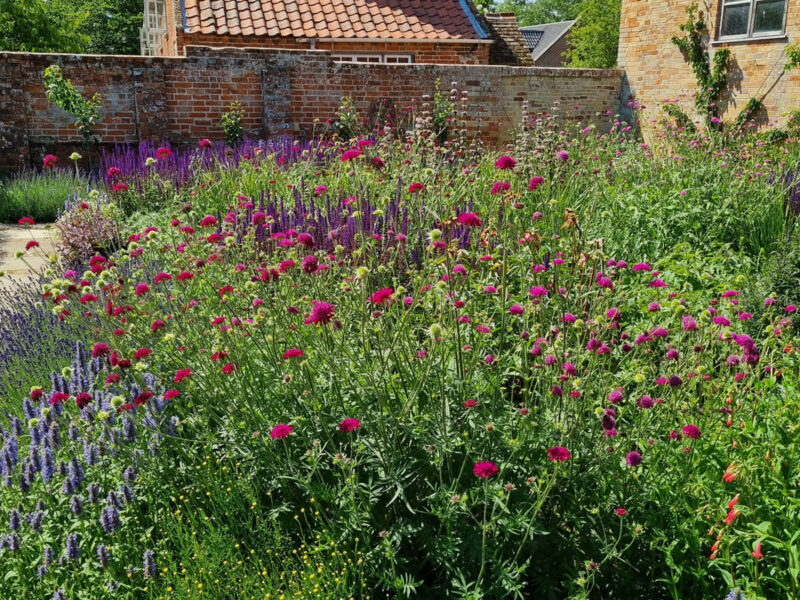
[537,52]
[183,15]
[467,6]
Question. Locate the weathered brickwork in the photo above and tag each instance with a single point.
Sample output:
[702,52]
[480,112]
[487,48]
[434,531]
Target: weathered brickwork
[181,98]
[656,70]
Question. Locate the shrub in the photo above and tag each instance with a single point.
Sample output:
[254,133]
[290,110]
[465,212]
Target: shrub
[231,121]
[40,196]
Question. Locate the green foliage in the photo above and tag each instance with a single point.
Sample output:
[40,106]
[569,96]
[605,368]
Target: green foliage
[31,26]
[38,195]
[231,121]
[792,56]
[748,112]
[443,113]
[111,26]
[542,11]
[712,76]
[347,120]
[680,116]
[594,39]
[60,92]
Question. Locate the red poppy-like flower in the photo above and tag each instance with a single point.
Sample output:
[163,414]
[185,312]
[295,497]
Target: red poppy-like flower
[558,454]
[49,161]
[100,349]
[31,244]
[58,398]
[349,155]
[228,368]
[350,424]
[280,431]
[209,221]
[310,264]
[621,512]
[415,187]
[26,221]
[185,276]
[381,296]
[142,398]
[170,394]
[142,289]
[484,469]
[120,187]
[156,325]
[113,378]
[163,152]
[470,404]
[142,353]
[500,187]
[182,374]
[162,277]
[83,399]
[293,353]
[36,393]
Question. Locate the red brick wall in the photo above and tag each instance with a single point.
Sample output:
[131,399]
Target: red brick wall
[444,53]
[181,98]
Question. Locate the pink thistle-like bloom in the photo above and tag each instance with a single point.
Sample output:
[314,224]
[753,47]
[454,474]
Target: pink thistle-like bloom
[415,187]
[658,283]
[142,289]
[49,161]
[320,189]
[204,143]
[534,183]
[208,221]
[280,431]
[259,218]
[113,172]
[500,187]
[505,163]
[182,374]
[142,353]
[163,153]
[26,221]
[537,292]
[171,394]
[621,512]
[350,424]
[641,267]
[349,155]
[791,308]
[516,309]
[120,187]
[321,313]
[720,320]
[691,431]
[769,301]
[310,264]
[162,277]
[100,349]
[293,353]
[31,244]
[381,296]
[470,219]
[558,454]
[470,404]
[634,459]
[563,155]
[484,469]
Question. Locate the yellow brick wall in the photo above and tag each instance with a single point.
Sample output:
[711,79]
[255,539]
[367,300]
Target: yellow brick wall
[657,71]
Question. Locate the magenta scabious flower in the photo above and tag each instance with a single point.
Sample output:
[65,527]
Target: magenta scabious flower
[558,454]
[142,289]
[535,182]
[505,163]
[641,267]
[691,431]
[349,424]
[537,292]
[634,459]
[321,313]
[349,155]
[280,431]
[484,469]
[470,219]
[293,353]
[563,155]
[381,296]
[499,187]
[182,374]
[516,309]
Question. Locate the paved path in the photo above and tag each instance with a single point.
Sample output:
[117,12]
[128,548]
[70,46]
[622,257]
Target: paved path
[14,238]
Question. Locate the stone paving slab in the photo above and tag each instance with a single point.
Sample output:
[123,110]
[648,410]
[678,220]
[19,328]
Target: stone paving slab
[13,238]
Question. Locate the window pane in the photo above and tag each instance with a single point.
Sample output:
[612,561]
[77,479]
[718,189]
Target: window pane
[769,16]
[734,20]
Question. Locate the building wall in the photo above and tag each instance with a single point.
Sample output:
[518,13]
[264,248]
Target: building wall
[554,57]
[181,98]
[445,53]
[656,70]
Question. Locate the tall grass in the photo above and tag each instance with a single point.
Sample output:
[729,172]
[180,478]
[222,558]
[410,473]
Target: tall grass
[40,196]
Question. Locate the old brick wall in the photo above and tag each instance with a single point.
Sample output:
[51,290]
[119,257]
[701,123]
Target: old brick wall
[181,98]
[656,70]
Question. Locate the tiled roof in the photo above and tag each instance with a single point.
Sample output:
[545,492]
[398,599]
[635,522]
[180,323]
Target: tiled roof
[391,19]
[509,48]
[540,37]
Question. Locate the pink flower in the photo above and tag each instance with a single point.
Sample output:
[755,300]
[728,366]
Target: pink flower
[49,161]
[349,155]
[558,454]
[484,469]
[182,374]
[163,152]
[208,221]
[621,512]
[293,353]
[310,264]
[499,187]
[415,187]
[350,424]
[320,189]
[516,309]
[537,292]
[142,353]
[31,244]
[691,431]
[321,313]
[113,172]
[470,404]
[505,163]
[142,289]
[641,267]
[381,296]
[563,155]
[204,143]
[171,394]
[470,219]
[634,459]
[120,187]
[100,349]
[535,182]
[162,277]
[280,431]
[791,308]
[26,221]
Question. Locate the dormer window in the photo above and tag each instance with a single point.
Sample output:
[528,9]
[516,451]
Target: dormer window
[744,19]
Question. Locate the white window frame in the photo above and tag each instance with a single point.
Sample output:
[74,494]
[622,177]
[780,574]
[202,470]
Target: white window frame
[373,59]
[751,19]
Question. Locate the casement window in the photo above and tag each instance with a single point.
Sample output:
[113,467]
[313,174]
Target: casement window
[392,59]
[743,19]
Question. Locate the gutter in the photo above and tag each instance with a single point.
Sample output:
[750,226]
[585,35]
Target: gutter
[395,40]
